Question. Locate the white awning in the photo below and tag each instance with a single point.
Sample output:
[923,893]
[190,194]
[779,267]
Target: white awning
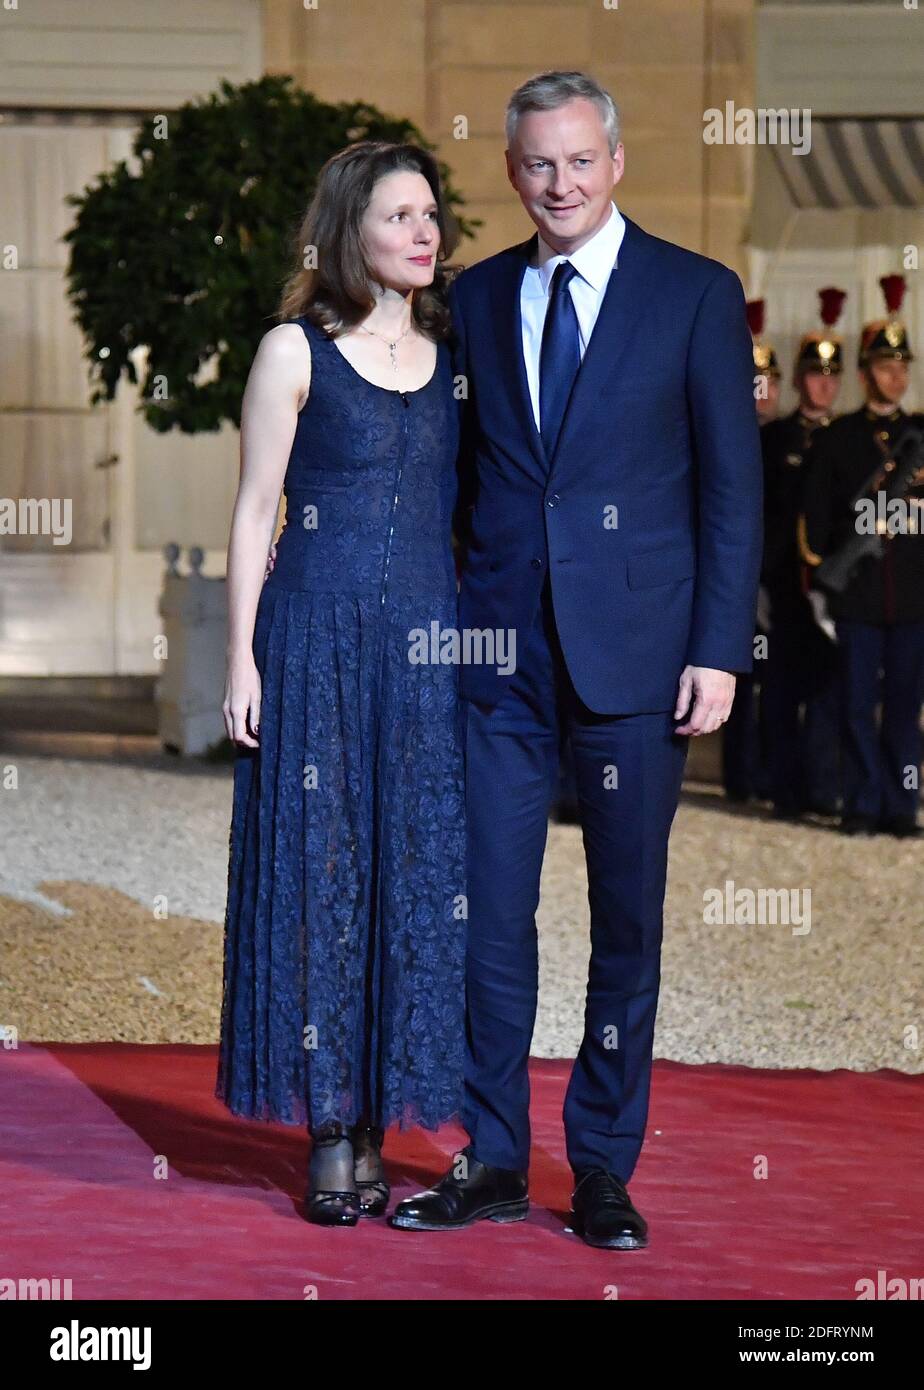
[866,163]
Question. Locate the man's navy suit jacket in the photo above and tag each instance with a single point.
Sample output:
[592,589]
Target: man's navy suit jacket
[647,518]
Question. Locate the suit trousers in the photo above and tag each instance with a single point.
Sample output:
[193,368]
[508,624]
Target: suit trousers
[628,771]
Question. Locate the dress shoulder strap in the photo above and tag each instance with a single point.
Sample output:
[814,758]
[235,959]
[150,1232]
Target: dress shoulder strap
[306,327]
[312,332]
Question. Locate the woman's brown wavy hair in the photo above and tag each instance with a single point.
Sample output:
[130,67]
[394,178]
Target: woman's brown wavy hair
[338,293]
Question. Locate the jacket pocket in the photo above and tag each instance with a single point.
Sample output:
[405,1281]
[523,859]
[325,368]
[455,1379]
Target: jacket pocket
[660,567]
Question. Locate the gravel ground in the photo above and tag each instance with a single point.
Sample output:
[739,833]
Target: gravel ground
[112,884]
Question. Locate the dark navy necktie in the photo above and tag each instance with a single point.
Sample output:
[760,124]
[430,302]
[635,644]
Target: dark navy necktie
[559,356]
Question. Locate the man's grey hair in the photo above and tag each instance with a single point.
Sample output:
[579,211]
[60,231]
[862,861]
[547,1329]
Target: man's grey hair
[548,90]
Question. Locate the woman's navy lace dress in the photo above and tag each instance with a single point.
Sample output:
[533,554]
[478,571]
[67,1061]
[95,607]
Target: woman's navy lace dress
[345,923]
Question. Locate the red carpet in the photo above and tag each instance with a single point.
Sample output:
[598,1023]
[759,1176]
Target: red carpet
[844,1195]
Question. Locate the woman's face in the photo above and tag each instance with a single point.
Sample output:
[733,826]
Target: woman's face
[400,232]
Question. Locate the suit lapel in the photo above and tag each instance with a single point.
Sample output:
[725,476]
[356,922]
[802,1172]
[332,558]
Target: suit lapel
[621,313]
[510,346]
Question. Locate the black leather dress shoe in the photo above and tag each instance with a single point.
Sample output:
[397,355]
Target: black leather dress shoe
[484,1193]
[858,825]
[736,797]
[902,827]
[603,1215]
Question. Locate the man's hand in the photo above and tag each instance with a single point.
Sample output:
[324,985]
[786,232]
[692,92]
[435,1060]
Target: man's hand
[712,693]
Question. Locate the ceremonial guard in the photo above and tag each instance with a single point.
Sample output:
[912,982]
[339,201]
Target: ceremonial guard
[767,374]
[861,532]
[802,750]
[744,770]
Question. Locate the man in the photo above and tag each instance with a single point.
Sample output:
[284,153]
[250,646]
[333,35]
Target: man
[879,616]
[801,667]
[767,374]
[615,532]
[744,763]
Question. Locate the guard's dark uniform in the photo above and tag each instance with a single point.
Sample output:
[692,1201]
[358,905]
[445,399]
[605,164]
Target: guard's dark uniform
[801,669]
[879,618]
[745,772]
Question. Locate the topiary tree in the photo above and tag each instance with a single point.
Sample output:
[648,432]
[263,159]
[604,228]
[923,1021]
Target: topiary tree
[187,255]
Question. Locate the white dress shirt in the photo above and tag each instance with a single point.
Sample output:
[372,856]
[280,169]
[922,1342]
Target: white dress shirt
[593,262]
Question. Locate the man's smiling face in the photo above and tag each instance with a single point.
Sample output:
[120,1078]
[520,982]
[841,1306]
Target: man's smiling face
[560,164]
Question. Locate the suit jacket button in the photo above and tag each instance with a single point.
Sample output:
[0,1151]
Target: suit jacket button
[551,501]
[536,563]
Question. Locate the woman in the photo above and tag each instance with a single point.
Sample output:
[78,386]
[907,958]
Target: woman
[344,934]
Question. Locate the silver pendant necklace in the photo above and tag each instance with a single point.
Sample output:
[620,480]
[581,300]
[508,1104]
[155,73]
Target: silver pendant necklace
[392,345]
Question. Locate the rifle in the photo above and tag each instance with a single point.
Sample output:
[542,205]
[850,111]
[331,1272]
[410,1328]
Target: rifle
[836,571]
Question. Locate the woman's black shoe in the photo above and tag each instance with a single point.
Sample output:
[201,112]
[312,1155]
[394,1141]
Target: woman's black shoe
[332,1198]
[371,1183]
